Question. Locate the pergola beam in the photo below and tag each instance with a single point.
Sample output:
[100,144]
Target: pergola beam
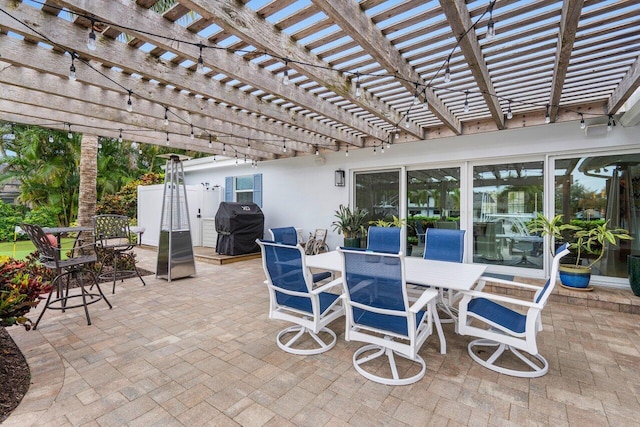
[226,63]
[459,19]
[49,84]
[571,10]
[353,21]
[250,27]
[629,84]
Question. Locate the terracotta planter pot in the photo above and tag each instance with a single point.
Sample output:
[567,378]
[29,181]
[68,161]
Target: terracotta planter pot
[575,276]
[633,264]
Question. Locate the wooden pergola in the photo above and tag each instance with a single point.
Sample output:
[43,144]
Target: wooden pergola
[360,73]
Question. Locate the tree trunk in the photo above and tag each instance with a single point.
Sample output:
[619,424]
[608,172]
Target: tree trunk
[88,178]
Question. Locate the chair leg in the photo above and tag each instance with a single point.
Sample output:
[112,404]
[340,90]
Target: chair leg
[46,305]
[135,267]
[383,351]
[301,331]
[538,366]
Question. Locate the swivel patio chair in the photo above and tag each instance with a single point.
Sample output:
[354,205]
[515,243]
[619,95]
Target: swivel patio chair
[378,313]
[289,236]
[76,267]
[115,248]
[510,330]
[384,239]
[293,298]
[442,244]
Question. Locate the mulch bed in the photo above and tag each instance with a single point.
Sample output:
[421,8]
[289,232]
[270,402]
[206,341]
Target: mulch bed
[15,376]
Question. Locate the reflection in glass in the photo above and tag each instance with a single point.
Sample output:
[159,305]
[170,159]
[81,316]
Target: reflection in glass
[505,198]
[433,200]
[378,193]
[592,190]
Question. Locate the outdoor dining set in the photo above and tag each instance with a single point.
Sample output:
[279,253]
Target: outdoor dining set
[100,253]
[392,303]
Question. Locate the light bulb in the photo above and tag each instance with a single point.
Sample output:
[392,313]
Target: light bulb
[582,123]
[200,67]
[129,105]
[609,126]
[466,102]
[72,72]
[50,138]
[140,151]
[397,134]
[210,143]
[91,41]
[346,154]
[192,136]
[224,149]
[382,149]
[168,138]
[69,135]
[491,30]
[120,137]
[285,77]
[447,74]
[317,152]
[509,113]
[374,150]
[166,116]
[358,91]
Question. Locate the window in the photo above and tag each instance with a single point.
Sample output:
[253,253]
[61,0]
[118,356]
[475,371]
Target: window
[505,198]
[433,200]
[378,193]
[244,189]
[592,190]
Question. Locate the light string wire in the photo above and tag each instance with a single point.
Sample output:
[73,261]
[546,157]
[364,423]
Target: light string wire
[288,61]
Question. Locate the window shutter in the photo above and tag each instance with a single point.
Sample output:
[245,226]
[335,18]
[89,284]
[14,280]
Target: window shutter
[257,189]
[228,189]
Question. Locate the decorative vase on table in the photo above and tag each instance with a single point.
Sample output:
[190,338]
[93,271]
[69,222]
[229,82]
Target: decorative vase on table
[351,242]
[633,264]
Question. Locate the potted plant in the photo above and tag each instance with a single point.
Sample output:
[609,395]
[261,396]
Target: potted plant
[589,241]
[581,241]
[350,223]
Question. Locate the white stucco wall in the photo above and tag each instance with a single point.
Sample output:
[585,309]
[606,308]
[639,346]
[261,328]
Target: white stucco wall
[300,191]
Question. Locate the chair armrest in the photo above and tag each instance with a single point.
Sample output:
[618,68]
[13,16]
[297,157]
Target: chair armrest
[331,284]
[426,296]
[501,298]
[510,283]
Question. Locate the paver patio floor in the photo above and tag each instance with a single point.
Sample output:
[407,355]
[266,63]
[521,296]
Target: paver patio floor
[202,351]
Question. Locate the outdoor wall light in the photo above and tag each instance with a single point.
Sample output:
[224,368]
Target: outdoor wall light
[339,178]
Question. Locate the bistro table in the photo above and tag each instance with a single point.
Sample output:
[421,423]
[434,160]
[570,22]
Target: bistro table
[59,231]
[418,271]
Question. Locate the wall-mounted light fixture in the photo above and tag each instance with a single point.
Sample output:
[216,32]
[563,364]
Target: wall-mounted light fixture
[339,178]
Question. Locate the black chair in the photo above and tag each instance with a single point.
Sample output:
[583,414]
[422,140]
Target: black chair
[76,267]
[115,249]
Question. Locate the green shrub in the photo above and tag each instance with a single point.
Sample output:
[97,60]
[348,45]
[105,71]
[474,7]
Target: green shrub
[125,202]
[45,216]
[21,282]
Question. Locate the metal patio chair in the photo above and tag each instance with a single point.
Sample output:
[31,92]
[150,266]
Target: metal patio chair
[75,267]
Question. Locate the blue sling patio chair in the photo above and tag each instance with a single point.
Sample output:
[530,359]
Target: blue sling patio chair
[293,298]
[378,313]
[442,244]
[508,329]
[289,236]
[384,239]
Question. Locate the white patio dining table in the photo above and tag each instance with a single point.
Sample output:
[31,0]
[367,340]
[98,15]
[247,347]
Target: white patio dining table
[418,271]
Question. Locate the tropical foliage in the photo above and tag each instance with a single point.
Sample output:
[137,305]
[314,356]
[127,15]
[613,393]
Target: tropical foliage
[21,282]
[350,222]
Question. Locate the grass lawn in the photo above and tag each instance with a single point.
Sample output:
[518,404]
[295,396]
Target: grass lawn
[23,248]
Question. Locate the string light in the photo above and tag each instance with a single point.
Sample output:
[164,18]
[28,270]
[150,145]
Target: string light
[69,134]
[50,137]
[358,91]
[72,68]
[447,72]
[582,123]
[284,146]
[200,67]
[245,157]
[99,143]
[491,30]
[210,142]
[166,116]
[192,136]
[91,42]
[610,124]
[168,143]
[129,103]
[214,158]
[509,113]
[416,97]
[547,117]
[406,119]
[236,158]
[317,152]
[466,101]
[120,136]
[224,149]
[397,133]
[285,78]
[374,150]
[346,154]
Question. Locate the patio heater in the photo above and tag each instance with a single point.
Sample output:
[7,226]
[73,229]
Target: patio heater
[175,250]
